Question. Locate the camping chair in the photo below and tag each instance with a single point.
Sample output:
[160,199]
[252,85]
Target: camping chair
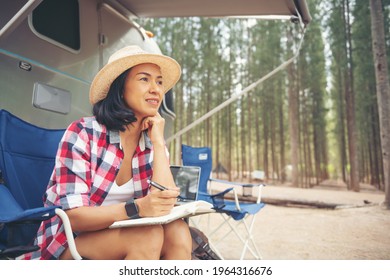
[27,155]
[232,210]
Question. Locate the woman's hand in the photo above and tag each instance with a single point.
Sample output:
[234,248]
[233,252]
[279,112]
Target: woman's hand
[157,203]
[155,126]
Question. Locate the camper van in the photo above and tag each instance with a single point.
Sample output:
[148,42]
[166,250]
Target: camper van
[50,50]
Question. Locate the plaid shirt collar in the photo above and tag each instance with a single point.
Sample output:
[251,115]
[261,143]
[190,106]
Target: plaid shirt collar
[144,141]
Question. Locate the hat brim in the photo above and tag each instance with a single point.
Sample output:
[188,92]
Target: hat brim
[100,86]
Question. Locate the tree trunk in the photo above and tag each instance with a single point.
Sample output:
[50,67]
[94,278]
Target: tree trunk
[293,113]
[281,140]
[350,105]
[382,88]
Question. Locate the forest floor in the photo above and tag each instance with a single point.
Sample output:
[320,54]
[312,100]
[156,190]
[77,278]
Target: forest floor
[326,222]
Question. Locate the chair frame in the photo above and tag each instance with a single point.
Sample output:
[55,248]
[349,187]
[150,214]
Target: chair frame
[246,219]
[24,214]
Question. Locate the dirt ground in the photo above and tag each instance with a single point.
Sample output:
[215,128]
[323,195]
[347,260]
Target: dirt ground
[348,226]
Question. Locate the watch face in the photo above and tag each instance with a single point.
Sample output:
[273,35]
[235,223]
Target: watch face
[131,209]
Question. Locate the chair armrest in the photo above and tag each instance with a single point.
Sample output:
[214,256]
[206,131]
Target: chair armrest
[243,185]
[246,185]
[229,182]
[11,212]
[69,233]
[222,193]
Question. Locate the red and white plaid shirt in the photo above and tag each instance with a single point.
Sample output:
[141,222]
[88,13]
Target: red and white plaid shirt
[87,162]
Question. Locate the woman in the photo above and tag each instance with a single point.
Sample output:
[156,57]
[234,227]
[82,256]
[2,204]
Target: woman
[103,164]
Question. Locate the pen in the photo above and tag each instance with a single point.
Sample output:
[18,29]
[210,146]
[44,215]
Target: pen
[157,185]
[160,187]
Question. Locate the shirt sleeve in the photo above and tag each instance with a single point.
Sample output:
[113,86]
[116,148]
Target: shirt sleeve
[73,168]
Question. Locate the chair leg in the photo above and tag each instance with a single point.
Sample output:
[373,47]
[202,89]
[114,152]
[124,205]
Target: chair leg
[247,241]
[250,238]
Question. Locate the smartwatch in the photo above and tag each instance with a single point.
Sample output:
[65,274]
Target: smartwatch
[132,209]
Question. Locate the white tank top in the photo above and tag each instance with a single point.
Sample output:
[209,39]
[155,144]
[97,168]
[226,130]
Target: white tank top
[119,194]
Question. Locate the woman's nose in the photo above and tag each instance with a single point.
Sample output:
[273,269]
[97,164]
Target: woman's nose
[156,87]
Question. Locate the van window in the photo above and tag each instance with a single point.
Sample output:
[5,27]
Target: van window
[58,20]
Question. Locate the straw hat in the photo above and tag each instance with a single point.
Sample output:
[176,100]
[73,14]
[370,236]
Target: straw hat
[126,58]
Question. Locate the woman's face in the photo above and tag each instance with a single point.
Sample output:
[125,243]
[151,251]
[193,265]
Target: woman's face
[144,90]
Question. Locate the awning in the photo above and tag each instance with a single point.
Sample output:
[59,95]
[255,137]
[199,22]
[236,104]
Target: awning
[218,8]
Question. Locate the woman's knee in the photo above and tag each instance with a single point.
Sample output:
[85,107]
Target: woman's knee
[154,235]
[177,235]
[177,227]
[150,236]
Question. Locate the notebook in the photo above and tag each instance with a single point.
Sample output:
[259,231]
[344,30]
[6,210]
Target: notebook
[187,179]
[184,210]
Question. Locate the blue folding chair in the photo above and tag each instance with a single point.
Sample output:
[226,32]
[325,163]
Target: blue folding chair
[27,155]
[232,209]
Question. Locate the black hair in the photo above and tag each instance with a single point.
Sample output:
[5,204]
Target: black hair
[112,111]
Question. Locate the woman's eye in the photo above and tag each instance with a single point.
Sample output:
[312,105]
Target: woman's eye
[144,79]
